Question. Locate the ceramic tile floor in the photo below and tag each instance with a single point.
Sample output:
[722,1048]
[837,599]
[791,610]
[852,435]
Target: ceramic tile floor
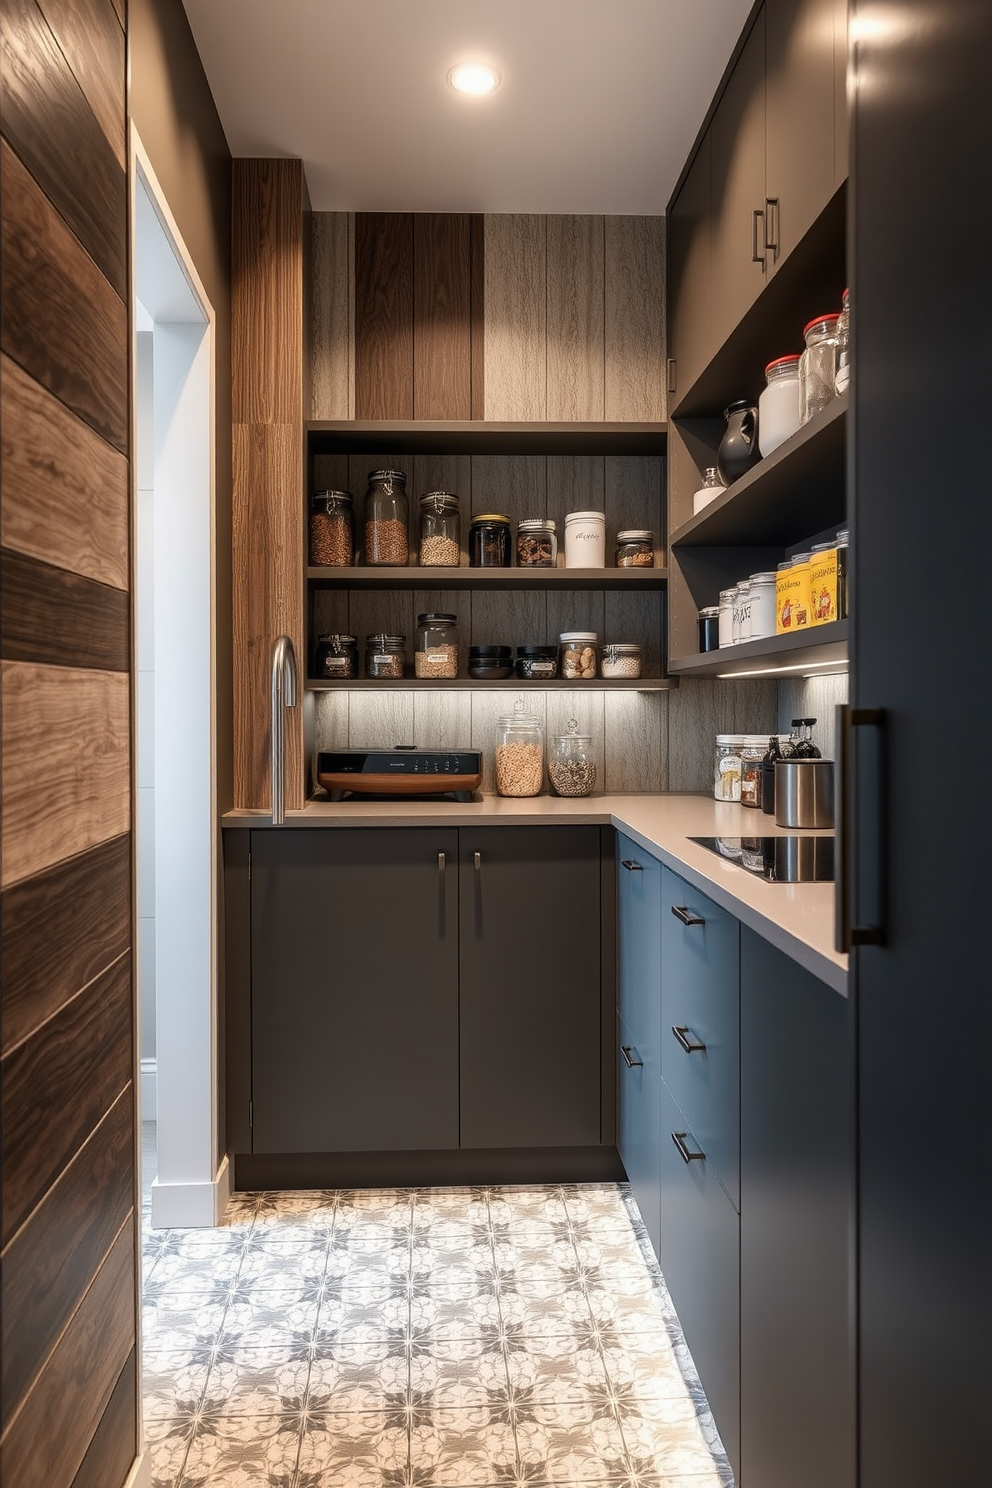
[459,1337]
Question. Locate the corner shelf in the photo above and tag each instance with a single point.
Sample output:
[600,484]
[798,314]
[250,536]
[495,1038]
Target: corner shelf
[488,578]
[819,646]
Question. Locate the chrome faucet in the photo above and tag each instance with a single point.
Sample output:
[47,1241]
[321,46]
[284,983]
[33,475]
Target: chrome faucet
[283,697]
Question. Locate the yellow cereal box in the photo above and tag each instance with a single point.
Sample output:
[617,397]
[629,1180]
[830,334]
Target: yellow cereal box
[823,584]
[792,607]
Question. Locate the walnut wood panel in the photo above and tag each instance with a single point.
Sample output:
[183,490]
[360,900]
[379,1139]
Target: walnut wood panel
[121,8]
[576,344]
[516,317]
[442,315]
[63,489]
[66,763]
[62,320]
[59,930]
[48,1439]
[59,1084]
[384,315]
[332,332]
[478,315]
[267,292]
[52,1259]
[60,618]
[46,116]
[635,318]
[115,1443]
[90,36]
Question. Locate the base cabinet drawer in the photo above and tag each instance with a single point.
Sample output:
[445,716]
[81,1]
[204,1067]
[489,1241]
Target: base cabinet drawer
[700,1258]
[639,1126]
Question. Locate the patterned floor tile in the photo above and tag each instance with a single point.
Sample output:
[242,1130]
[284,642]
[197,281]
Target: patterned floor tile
[556,1368]
[350,1379]
[172,1386]
[460,1448]
[442,1314]
[448,1373]
[591,1452]
[353,1450]
[165,1457]
[243,1452]
[544,1310]
[256,1384]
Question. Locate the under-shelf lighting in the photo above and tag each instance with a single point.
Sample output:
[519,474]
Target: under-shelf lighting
[474,78]
[808,668]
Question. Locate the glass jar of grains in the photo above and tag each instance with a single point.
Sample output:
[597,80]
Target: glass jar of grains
[621,659]
[635,549]
[385,656]
[519,754]
[436,649]
[727,767]
[440,530]
[337,657]
[387,542]
[571,763]
[332,529]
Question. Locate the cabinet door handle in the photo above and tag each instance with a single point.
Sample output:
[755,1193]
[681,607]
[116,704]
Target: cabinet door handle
[478,862]
[626,1050]
[631,866]
[757,257]
[672,374]
[771,232]
[870,909]
[686,915]
[687,1039]
[687,1157]
[441,864]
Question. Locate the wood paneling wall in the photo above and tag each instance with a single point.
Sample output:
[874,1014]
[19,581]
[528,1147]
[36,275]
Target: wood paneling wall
[68,1386]
[270,216]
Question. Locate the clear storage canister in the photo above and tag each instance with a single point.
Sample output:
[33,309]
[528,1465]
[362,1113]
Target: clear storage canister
[727,616]
[519,754]
[742,612]
[436,648]
[440,530]
[711,488]
[387,541]
[727,767]
[620,659]
[337,656]
[585,539]
[577,651]
[537,543]
[385,656]
[635,549]
[818,367]
[571,763]
[752,753]
[332,529]
[709,627]
[762,603]
[489,541]
[843,379]
[778,406]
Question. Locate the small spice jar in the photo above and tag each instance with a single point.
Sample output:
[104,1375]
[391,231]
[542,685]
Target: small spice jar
[440,530]
[385,656]
[387,541]
[621,659]
[571,763]
[337,657]
[727,616]
[489,541]
[332,529]
[577,652]
[727,767]
[537,543]
[818,366]
[490,663]
[537,663]
[635,549]
[436,648]
[519,754]
[709,628]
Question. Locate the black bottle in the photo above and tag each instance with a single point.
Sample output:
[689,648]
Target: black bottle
[773,753]
[805,748]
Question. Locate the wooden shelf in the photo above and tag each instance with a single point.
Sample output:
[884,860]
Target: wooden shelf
[488,578]
[821,646]
[792,493]
[477,437]
[512,684]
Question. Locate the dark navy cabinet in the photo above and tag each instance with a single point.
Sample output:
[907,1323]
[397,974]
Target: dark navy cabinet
[639,1028]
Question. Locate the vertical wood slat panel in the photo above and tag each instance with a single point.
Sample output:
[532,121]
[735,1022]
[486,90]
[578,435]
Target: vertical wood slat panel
[516,373]
[576,332]
[635,318]
[267,292]
[90,36]
[478,315]
[115,1442]
[384,315]
[332,332]
[62,619]
[442,315]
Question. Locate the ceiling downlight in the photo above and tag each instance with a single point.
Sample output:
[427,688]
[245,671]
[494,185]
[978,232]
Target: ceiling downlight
[474,78]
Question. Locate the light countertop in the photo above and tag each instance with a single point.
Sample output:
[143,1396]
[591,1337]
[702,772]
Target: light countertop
[797,918]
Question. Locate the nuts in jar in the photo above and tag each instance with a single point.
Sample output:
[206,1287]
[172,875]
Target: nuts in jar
[439,530]
[337,656]
[519,755]
[385,656]
[635,549]
[578,654]
[332,541]
[537,545]
[436,653]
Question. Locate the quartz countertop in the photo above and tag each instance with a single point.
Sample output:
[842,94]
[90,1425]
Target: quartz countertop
[797,918]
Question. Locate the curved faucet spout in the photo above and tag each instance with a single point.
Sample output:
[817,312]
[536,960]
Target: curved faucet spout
[283,697]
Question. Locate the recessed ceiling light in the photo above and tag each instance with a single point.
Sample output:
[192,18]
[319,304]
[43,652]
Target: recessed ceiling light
[471,77]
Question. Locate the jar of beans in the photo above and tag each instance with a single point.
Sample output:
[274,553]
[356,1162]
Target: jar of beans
[635,549]
[337,657]
[440,530]
[571,763]
[387,542]
[436,650]
[578,654]
[519,754]
[385,656]
[332,529]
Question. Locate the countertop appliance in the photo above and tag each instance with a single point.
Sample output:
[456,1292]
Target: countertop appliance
[402,771]
[777,859]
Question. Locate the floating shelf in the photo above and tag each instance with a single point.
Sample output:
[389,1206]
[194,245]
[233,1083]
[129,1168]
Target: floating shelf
[488,578]
[477,437]
[820,647]
[512,684]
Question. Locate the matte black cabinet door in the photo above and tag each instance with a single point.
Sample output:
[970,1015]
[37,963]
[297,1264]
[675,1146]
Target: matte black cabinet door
[737,136]
[690,329]
[530,980]
[639,1029]
[797,1387]
[354,990]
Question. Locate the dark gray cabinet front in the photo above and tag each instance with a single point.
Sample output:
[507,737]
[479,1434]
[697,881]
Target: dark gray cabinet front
[689,230]
[530,986]
[639,1029]
[354,998]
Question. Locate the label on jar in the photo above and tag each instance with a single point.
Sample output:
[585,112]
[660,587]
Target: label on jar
[382,660]
[337,666]
[437,656]
[541,668]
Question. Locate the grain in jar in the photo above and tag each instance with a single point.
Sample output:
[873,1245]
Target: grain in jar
[440,530]
[385,656]
[577,651]
[519,756]
[436,649]
[621,659]
[571,763]
[387,540]
[332,529]
[635,548]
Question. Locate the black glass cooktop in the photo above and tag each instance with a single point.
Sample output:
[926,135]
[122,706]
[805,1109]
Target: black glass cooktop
[777,859]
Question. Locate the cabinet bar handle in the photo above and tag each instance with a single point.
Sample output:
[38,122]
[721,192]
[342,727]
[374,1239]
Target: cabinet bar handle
[441,864]
[631,866]
[686,915]
[868,905]
[756,257]
[686,1039]
[672,374]
[771,216]
[626,1050]
[687,1157]
[478,862]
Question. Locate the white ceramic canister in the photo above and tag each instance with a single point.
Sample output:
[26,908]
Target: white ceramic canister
[762,605]
[727,617]
[778,406]
[742,612]
[585,539]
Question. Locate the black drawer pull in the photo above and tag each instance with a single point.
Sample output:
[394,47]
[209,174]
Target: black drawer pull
[687,1157]
[689,1043]
[686,915]
[631,866]
[626,1050]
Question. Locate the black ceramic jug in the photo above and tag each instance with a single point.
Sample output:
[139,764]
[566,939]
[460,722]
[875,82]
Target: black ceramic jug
[739,446]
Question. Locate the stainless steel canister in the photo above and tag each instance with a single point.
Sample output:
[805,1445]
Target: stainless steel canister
[804,793]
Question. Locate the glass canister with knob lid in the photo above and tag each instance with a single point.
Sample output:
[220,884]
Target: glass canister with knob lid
[332,535]
[519,753]
[571,763]
[440,530]
[387,538]
[436,648]
[818,366]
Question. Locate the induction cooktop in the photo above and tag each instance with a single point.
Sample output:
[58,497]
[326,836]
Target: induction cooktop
[790,859]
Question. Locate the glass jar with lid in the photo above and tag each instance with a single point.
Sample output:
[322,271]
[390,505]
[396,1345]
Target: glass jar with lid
[385,656]
[489,541]
[519,753]
[577,652]
[709,627]
[711,488]
[332,529]
[778,406]
[843,379]
[753,751]
[537,663]
[742,611]
[727,616]
[337,657]
[440,530]
[436,649]
[727,767]
[537,543]
[620,659]
[571,763]
[635,549]
[818,366]
[387,514]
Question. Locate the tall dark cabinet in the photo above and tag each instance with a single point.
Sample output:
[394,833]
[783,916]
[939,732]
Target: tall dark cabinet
[919,243]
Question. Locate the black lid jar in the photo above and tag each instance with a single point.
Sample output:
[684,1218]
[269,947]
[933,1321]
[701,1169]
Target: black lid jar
[336,657]
[489,541]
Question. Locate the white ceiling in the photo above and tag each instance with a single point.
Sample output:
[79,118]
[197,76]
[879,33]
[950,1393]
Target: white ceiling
[599,103]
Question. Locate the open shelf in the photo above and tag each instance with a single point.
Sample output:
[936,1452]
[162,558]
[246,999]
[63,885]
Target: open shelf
[488,578]
[512,684]
[819,646]
[477,437]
